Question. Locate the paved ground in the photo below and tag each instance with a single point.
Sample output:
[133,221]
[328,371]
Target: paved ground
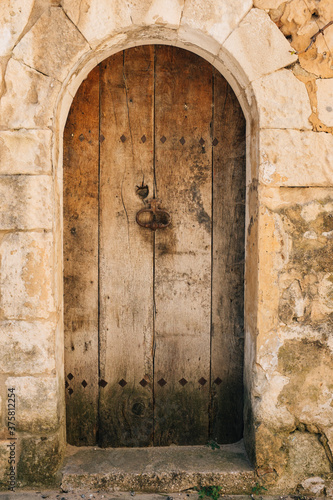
[89,472]
[85,495]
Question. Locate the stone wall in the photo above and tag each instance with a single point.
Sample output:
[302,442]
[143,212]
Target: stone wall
[47,47]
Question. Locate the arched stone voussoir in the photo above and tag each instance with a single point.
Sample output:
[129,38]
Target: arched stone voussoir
[196,41]
[256,48]
[135,36]
[99,19]
[214,18]
[166,13]
[53,45]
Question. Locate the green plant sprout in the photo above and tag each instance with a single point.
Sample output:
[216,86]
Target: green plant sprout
[213,445]
[212,492]
[258,488]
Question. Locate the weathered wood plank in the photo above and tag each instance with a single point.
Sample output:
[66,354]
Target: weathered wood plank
[176,276]
[126,250]
[228,265]
[81,262]
[183,114]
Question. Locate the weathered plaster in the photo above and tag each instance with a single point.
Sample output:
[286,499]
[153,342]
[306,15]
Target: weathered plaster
[299,21]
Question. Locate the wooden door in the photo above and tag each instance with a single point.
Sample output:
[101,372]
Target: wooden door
[154,319]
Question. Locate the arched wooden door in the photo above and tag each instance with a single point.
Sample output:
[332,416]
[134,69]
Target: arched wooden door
[154,319]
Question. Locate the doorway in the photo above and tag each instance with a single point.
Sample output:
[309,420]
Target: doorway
[154,316]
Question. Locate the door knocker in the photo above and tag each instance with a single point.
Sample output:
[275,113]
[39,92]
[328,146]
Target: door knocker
[153,217]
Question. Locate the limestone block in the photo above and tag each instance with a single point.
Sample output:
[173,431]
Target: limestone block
[309,366]
[266,405]
[300,24]
[325,101]
[258,46]
[270,452]
[148,35]
[295,265]
[26,202]
[36,403]
[274,246]
[3,64]
[329,489]
[98,19]
[26,278]
[40,459]
[307,456]
[150,12]
[29,98]
[25,152]
[188,35]
[312,204]
[283,101]
[313,486]
[267,4]
[295,158]
[4,465]
[53,45]
[27,347]
[135,36]
[14,15]
[216,18]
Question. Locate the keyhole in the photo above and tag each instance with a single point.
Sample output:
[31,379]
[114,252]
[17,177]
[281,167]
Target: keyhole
[142,191]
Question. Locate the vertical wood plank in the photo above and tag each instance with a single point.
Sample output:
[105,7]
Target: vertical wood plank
[183,113]
[228,265]
[81,262]
[126,250]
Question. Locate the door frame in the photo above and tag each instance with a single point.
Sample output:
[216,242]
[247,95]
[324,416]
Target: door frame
[228,69]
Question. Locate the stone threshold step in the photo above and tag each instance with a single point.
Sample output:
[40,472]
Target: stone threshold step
[158,470]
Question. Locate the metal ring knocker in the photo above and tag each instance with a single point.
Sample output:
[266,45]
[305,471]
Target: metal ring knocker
[153,217]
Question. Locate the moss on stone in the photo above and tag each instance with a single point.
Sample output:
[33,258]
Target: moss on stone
[40,460]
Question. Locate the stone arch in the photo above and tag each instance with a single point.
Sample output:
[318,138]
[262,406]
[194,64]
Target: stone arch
[42,74]
[164,35]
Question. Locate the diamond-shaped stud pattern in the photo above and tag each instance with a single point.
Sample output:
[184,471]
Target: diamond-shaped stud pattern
[70,391]
[70,376]
[182,141]
[202,381]
[143,139]
[163,139]
[161,382]
[202,141]
[215,142]
[143,382]
[102,383]
[84,383]
[123,138]
[122,382]
[66,384]
[183,381]
[218,381]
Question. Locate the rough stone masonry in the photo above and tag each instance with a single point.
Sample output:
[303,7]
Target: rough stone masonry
[47,48]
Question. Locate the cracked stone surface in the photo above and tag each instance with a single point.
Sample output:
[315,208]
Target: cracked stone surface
[159,469]
[98,495]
